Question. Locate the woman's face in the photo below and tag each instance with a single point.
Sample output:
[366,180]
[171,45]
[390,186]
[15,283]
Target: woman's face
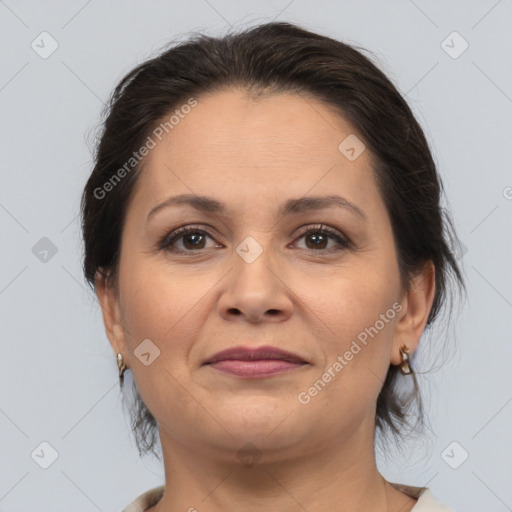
[253,274]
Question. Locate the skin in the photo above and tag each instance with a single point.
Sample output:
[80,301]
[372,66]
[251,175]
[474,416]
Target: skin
[252,156]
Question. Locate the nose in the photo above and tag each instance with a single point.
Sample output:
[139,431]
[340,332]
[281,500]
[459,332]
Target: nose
[256,291]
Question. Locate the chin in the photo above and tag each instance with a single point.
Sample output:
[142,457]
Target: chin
[266,431]
[255,445]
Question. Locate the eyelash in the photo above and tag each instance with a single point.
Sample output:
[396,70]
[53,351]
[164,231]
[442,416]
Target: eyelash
[166,242]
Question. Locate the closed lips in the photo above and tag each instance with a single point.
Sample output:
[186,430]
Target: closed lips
[258,354]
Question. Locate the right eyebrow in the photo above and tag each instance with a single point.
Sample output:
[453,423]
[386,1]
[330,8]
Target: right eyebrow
[201,203]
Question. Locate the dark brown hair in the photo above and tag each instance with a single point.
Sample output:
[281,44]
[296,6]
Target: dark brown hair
[267,59]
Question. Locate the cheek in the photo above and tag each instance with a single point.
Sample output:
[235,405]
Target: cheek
[356,319]
[349,300]
[355,344]
[160,309]
[159,299]
[169,308]
[155,308]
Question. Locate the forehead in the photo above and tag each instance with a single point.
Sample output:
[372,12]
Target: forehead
[233,123]
[231,142]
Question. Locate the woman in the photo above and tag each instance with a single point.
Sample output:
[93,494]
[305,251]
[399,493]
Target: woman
[264,233]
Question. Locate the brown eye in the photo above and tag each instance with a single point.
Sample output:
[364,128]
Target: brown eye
[186,239]
[194,240]
[316,241]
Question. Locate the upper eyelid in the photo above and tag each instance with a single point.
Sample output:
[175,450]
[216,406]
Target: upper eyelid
[190,228]
[199,227]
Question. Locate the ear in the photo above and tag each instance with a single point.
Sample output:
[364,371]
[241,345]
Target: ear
[109,301]
[417,304]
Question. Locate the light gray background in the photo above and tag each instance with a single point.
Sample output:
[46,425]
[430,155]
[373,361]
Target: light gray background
[58,373]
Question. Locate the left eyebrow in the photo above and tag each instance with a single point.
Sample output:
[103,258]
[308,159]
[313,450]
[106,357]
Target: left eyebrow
[304,204]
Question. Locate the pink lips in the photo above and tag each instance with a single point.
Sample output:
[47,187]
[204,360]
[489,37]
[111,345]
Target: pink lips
[255,363]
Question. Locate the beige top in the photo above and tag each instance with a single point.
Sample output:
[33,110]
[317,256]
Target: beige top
[425,503]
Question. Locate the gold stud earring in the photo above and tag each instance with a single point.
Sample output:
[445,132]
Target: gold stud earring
[404,367]
[122,367]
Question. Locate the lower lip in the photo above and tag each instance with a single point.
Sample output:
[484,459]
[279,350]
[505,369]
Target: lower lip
[255,369]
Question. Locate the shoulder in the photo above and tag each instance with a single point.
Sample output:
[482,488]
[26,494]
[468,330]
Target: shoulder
[145,500]
[426,501]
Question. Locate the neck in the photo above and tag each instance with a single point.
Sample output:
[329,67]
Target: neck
[342,477]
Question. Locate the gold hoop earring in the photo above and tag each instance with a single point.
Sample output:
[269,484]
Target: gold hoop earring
[122,367]
[405,366]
